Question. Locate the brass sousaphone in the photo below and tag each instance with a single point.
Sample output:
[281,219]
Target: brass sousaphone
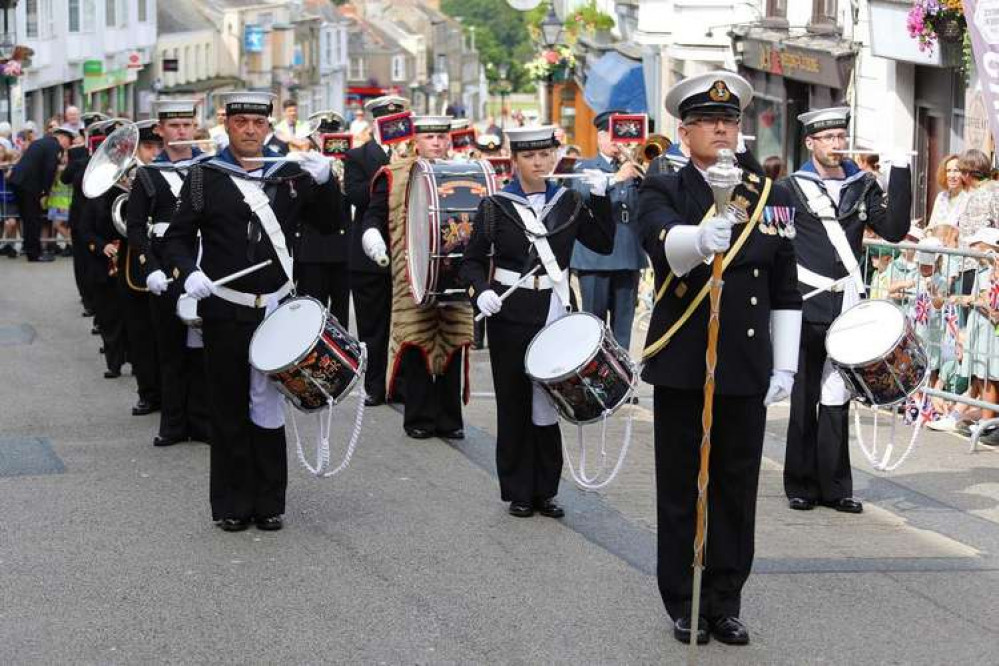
[112,164]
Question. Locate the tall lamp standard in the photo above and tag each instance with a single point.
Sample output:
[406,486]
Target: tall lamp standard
[503,87]
[551,32]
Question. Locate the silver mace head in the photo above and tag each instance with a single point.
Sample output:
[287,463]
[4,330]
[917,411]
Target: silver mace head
[723,176]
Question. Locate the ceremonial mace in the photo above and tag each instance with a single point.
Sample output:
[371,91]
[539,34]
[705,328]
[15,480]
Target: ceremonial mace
[722,177]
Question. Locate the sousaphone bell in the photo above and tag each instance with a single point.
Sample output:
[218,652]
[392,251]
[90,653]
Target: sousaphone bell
[112,164]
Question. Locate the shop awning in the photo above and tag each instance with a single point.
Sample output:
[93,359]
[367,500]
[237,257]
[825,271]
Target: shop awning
[615,82]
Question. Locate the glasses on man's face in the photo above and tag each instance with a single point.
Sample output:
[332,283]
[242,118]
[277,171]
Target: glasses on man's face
[711,122]
[830,138]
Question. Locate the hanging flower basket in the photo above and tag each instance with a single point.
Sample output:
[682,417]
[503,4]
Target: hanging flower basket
[556,64]
[951,30]
[929,21]
[561,74]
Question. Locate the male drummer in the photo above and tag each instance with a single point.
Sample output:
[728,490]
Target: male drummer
[426,343]
[370,284]
[184,411]
[835,201]
[756,353]
[247,211]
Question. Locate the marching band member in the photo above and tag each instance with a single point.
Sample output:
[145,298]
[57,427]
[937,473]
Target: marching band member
[835,202]
[134,295]
[184,406]
[756,356]
[370,284]
[426,344]
[530,221]
[246,211]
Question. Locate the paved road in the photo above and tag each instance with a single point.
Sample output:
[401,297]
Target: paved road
[107,554]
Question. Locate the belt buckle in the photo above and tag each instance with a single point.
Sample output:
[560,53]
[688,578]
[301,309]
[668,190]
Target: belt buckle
[257,300]
[537,282]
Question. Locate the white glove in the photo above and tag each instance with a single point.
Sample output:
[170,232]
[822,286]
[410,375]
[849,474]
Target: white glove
[899,159]
[317,165]
[781,383]
[596,180]
[374,246]
[489,303]
[198,286]
[157,282]
[714,236]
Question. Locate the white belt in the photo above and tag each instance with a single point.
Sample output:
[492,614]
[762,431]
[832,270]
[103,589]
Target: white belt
[536,283]
[813,279]
[252,300]
[158,229]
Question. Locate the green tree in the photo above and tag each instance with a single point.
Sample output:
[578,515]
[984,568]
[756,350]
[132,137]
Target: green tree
[501,36]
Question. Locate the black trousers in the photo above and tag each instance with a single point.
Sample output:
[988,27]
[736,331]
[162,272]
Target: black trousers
[109,316]
[249,464]
[141,336]
[327,283]
[372,294]
[734,468]
[528,457]
[817,459]
[184,396]
[29,205]
[433,402]
[81,260]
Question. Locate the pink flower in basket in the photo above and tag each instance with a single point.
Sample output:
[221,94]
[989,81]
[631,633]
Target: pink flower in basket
[12,68]
[551,57]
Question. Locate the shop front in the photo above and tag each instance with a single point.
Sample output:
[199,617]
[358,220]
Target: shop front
[111,92]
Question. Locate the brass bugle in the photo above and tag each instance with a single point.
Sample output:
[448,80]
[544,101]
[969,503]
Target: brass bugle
[654,146]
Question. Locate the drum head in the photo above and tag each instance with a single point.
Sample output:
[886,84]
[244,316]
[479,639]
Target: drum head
[563,346]
[287,334]
[418,231]
[865,332]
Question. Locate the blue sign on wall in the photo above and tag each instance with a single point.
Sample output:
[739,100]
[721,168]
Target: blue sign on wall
[253,39]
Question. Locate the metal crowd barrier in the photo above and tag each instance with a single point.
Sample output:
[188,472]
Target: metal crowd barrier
[960,339]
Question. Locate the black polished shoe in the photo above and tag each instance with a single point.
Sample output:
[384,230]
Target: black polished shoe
[730,631]
[234,524]
[87,312]
[373,400]
[451,434]
[801,504]
[521,509]
[144,407]
[67,251]
[95,330]
[270,523]
[112,374]
[681,630]
[160,440]
[845,505]
[549,508]
[45,257]
[419,433]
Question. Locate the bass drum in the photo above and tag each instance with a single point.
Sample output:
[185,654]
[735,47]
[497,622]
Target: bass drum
[874,347]
[441,200]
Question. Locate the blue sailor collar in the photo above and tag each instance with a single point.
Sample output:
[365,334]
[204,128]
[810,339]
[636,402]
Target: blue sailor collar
[514,192]
[850,169]
[227,162]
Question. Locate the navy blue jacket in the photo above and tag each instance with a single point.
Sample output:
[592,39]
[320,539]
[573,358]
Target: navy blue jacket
[628,253]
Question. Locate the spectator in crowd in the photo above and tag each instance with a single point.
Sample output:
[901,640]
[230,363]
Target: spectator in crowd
[8,205]
[25,137]
[218,129]
[358,123]
[981,208]
[53,122]
[6,132]
[773,166]
[493,128]
[928,291]
[953,196]
[59,199]
[290,127]
[72,119]
[872,162]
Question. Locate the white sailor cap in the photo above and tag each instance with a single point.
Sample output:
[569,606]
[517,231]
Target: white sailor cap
[432,124]
[387,105]
[146,131]
[459,123]
[718,92]
[531,138]
[327,121]
[174,108]
[248,102]
[837,117]
[67,130]
[488,143]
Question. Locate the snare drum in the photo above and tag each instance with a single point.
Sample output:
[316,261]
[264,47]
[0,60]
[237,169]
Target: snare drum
[305,351]
[441,200]
[187,311]
[874,347]
[582,368]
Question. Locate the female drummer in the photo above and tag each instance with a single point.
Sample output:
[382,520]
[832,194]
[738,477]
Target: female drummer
[530,225]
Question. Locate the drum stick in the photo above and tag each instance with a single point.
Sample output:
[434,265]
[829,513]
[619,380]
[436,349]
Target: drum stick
[192,142]
[816,292]
[235,276]
[293,156]
[509,290]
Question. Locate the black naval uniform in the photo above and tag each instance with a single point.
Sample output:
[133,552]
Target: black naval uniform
[321,268]
[30,178]
[528,457]
[817,461]
[184,401]
[76,165]
[97,231]
[370,284]
[760,279]
[249,470]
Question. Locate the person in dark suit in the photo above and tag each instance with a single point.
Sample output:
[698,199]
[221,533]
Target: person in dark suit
[77,159]
[246,212]
[370,284]
[321,268]
[528,219]
[835,202]
[756,355]
[31,179]
[608,284]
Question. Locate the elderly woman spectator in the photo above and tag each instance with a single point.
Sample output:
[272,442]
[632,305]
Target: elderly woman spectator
[981,209]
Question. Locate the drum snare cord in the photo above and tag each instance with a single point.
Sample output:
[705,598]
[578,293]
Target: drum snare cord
[580,478]
[872,453]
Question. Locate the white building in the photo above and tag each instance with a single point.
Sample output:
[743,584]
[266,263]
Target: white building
[86,52]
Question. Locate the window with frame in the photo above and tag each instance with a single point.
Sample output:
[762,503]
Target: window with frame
[777,9]
[110,13]
[355,70]
[31,18]
[399,68]
[88,18]
[74,15]
[824,12]
[143,11]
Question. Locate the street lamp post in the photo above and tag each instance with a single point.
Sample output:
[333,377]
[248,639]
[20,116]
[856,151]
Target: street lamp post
[551,32]
[503,85]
